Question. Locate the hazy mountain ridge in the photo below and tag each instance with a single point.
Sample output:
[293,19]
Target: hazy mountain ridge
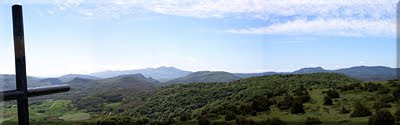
[364,73]
[161,73]
[69,77]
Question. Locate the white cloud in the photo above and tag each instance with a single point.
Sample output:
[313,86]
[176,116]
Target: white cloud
[323,17]
[330,27]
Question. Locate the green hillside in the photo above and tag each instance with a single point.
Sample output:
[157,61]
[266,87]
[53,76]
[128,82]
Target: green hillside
[292,98]
[327,98]
[205,77]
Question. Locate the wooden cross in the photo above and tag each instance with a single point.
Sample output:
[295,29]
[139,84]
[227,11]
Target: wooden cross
[22,92]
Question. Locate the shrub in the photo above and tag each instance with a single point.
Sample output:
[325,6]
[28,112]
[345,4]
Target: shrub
[396,93]
[328,100]
[244,121]
[333,94]
[360,110]
[115,120]
[260,103]
[387,98]
[372,87]
[344,110]
[202,120]
[300,91]
[41,111]
[383,90]
[350,87]
[230,116]
[297,107]
[303,98]
[380,105]
[245,108]
[272,121]
[286,103]
[184,116]
[382,117]
[312,121]
[397,115]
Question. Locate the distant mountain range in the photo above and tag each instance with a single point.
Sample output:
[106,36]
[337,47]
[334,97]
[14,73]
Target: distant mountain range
[363,73]
[170,75]
[161,73]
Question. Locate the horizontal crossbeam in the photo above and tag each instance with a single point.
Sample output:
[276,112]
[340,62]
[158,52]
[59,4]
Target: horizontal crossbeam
[32,92]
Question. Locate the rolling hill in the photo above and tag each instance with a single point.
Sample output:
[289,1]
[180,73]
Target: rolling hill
[69,77]
[364,73]
[252,98]
[205,76]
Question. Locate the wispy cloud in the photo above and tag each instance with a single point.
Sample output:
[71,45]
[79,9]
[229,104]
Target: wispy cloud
[317,17]
[327,27]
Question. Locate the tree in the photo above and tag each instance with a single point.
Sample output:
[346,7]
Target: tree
[115,120]
[379,105]
[202,120]
[328,100]
[360,110]
[333,94]
[297,107]
[344,110]
[184,116]
[230,116]
[312,121]
[396,93]
[397,115]
[260,103]
[272,121]
[382,117]
[286,103]
[303,98]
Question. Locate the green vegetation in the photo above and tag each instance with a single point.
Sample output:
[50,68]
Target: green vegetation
[274,99]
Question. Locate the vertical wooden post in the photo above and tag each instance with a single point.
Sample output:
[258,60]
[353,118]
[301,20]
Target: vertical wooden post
[20,66]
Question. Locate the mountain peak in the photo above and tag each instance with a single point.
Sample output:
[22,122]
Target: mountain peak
[310,70]
[167,68]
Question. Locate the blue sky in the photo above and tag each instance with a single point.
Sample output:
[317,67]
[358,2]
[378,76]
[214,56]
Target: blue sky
[84,36]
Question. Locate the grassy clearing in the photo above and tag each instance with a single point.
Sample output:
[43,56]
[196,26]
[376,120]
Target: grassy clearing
[75,117]
[45,111]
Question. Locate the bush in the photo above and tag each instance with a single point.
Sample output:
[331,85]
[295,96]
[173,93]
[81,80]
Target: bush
[286,103]
[387,98]
[344,110]
[350,87]
[272,121]
[202,120]
[303,98]
[333,94]
[230,116]
[380,105]
[312,121]
[396,93]
[184,116]
[300,91]
[244,121]
[245,108]
[297,107]
[397,115]
[371,87]
[360,110]
[383,90]
[260,103]
[115,120]
[328,100]
[382,117]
